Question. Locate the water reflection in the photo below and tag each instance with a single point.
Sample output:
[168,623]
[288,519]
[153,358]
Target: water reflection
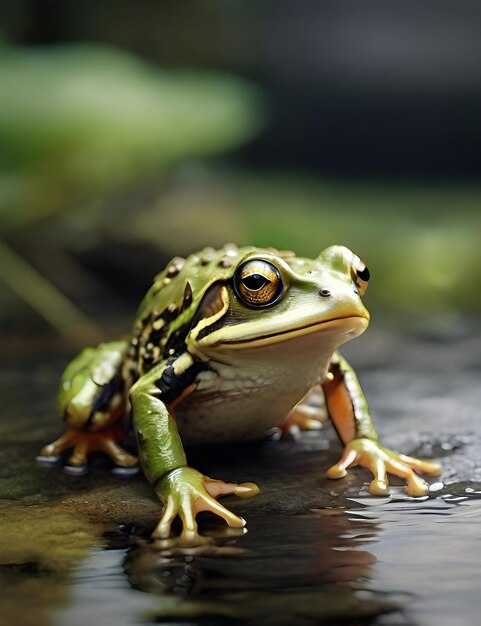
[287,569]
[429,548]
[398,554]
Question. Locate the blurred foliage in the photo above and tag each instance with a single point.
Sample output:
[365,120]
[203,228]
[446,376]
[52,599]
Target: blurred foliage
[420,240]
[123,146]
[79,120]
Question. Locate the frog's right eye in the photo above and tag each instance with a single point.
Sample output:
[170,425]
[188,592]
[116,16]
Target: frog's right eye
[258,283]
[360,274]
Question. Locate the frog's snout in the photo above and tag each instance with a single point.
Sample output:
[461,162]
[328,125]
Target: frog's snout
[340,299]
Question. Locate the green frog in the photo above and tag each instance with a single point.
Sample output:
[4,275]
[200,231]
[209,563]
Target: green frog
[226,345]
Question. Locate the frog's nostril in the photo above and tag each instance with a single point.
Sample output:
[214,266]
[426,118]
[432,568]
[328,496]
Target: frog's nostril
[325,293]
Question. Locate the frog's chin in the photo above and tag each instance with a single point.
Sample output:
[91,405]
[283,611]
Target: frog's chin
[344,328]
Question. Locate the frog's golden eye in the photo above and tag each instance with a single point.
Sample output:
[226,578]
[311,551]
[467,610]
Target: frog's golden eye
[360,275]
[258,283]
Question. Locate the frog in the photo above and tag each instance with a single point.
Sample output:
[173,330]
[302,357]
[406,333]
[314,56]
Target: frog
[227,344]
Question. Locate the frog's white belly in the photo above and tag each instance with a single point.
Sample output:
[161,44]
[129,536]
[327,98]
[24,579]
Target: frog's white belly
[245,395]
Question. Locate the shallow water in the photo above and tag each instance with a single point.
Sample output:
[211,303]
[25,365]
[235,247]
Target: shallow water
[76,549]
[403,556]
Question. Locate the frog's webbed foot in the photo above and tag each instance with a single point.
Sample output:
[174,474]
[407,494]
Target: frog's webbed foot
[381,461]
[186,492]
[84,442]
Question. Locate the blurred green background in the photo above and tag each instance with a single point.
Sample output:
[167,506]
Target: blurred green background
[132,132]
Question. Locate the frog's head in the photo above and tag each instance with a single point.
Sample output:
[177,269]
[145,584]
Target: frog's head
[267,298]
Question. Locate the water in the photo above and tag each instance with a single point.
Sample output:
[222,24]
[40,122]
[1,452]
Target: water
[411,559]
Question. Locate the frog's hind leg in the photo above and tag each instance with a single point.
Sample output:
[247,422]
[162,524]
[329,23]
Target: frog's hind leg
[92,401]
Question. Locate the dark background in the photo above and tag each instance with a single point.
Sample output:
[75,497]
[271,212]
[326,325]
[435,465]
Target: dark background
[363,89]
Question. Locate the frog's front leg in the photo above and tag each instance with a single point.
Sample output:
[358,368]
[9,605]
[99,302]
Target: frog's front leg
[183,490]
[348,410]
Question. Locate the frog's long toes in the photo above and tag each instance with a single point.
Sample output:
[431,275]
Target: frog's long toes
[433,468]
[336,471]
[423,466]
[218,488]
[247,490]
[118,455]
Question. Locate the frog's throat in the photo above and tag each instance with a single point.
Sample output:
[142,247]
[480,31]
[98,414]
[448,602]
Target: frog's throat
[352,326]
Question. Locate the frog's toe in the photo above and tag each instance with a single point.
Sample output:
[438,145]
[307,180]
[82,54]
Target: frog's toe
[415,486]
[350,458]
[218,488]
[78,457]
[379,485]
[304,417]
[58,446]
[207,503]
[169,513]
[430,468]
[119,456]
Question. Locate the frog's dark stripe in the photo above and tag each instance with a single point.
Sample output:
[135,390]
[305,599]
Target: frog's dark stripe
[104,397]
[171,385]
[220,323]
[228,319]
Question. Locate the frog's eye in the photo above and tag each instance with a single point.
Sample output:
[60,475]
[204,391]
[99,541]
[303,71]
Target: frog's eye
[360,274]
[258,283]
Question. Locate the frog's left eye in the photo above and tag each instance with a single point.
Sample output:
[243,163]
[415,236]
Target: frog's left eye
[360,274]
[258,283]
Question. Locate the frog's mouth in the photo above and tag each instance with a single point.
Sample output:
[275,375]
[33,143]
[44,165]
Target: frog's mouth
[351,326]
